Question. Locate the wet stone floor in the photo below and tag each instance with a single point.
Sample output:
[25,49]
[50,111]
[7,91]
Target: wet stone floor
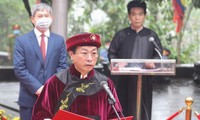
[169,98]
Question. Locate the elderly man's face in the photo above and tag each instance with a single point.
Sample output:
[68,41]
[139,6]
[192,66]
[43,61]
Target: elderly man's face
[84,58]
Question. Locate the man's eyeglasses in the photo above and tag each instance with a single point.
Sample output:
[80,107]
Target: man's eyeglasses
[86,54]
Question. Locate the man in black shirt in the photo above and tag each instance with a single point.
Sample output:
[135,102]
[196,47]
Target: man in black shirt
[134,43]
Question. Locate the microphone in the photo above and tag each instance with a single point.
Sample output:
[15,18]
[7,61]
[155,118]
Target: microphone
[151,39]
[157,49]
[104,85]
[111,98]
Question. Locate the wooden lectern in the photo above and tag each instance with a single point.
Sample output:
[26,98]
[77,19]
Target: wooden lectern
[137,67]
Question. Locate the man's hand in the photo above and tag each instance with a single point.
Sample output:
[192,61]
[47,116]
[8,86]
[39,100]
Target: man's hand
[150,65]
[119,65]
[38,92]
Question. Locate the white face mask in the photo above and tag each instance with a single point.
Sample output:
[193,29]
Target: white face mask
[43,23]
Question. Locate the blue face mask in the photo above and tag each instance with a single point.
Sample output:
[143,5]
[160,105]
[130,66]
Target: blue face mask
[16,32]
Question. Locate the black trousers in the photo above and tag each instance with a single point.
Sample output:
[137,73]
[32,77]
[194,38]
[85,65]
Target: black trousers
[127,92]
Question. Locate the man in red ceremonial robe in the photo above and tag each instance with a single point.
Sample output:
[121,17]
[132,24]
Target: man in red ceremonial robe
[78,89]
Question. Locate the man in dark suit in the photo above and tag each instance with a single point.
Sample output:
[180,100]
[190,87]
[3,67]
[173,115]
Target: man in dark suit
[38,55]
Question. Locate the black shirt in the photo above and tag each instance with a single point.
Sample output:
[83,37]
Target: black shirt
[128,44]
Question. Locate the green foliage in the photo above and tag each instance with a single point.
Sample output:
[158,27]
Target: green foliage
[12,12]
[155,1]
[164,26]
[196,3]
[84,16]
[159,18]
[115,17]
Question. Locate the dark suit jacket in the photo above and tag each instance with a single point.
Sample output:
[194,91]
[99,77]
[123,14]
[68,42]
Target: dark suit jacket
[31,69]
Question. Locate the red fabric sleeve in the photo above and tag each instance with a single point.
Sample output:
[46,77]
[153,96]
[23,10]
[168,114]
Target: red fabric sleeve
[46,102]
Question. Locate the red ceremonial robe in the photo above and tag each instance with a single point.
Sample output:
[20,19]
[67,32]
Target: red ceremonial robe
[94,105]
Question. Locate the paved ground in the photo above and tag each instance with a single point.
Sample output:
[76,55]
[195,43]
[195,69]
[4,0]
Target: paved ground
[167,98]
[8,97]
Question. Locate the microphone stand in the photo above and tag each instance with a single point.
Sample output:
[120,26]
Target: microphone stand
[112,103]
[159,53]
[111,99]
[161,57]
